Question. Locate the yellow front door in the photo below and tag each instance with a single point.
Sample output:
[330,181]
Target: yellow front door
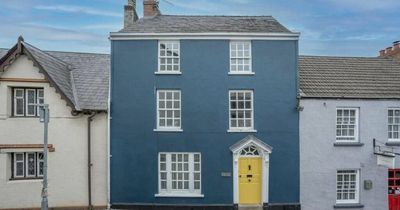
[250,170]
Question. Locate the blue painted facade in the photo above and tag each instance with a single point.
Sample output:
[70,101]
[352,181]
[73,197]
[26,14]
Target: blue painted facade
[204,85]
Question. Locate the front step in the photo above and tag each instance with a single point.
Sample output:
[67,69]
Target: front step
[250,207]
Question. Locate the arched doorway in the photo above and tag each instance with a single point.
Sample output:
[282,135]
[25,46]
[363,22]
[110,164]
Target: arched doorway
[250,171]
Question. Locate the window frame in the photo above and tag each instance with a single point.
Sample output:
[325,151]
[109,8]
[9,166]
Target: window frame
[169,192]
[25,96]
[15,98]
[159,71]
[241,129]
[356,125]
[250,58]
[393,124]
[357,188]
[14,164]
[27,175]
[25,166]
[158,109]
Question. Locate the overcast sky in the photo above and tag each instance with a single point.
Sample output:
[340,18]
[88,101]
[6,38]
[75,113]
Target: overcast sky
[328,27]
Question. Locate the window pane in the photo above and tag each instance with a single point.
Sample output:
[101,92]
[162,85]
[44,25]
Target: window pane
[41,163]
[19,157]
[196,185]
[31,164]
[19,106]
[20,169]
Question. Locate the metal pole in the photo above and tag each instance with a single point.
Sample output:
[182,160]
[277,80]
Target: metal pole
[45,119]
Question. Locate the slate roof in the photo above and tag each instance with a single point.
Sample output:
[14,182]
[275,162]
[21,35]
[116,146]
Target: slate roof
[81,77]
[203,24]
[349,77]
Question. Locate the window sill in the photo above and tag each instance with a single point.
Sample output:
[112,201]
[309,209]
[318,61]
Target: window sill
[167,130]
[241,73]
[19,180]
[241,131]
[348,144]
[24,117]
[393,143]
[348,206]
[167,73]
[172,195]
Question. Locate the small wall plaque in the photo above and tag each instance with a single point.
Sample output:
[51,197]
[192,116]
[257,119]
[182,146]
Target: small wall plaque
[226,174]
[367,184]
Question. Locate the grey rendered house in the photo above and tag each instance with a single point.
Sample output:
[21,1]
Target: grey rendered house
[346,102]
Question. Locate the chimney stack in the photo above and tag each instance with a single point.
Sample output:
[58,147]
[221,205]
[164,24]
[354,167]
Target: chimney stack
[393,52]
[150,8]
[130,14]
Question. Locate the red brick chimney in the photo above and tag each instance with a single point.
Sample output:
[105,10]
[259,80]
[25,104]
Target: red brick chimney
[393,52]
[130,15]
[150,8]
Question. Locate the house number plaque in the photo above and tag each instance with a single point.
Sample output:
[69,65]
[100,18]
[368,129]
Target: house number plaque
[226,174]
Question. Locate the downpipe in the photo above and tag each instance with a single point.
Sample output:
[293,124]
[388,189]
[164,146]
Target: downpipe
[89,159]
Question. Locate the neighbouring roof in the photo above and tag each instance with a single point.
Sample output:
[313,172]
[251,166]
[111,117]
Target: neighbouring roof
[81,78]
[204,24]
[349,77]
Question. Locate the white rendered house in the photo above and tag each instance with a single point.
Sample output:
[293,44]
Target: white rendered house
[75,85]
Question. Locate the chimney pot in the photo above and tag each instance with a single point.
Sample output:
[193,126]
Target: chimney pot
[388,50]
[396,45]
[130,14]
[382,53]
[391,52]
[150,8]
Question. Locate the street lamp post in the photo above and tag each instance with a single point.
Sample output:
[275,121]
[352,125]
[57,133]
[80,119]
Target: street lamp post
[44,118]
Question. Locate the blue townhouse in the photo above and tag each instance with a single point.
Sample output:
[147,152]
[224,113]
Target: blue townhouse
[203,112]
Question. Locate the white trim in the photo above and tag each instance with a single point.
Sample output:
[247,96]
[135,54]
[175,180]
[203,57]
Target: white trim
[15,101]
[241,73]
[179,195]
[264,153]
[167,130]
[215,36]
[168,73]
[165,42]
[169,191]
[356,125]
[238,72]
[357,192]
[394,109]
[27,164]
[19,161]
[16,181]
[27,104]
[241,131]
[38,98]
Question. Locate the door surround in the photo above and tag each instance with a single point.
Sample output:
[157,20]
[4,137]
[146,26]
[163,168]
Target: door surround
[264,151]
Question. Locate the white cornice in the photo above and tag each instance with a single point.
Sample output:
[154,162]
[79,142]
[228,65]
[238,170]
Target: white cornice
[203,36]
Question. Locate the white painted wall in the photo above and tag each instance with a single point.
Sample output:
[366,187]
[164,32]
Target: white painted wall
[68,164]
[320,159]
